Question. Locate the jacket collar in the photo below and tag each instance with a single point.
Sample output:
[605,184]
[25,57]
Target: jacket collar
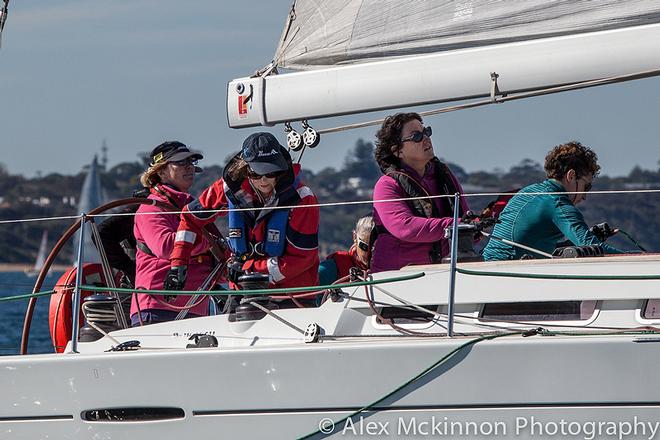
[170,195]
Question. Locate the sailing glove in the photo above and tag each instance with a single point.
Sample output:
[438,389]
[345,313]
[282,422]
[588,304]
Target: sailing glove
[234,270]
[175,280]
[602,231]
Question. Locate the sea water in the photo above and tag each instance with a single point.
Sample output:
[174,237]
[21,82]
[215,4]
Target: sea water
[12,314]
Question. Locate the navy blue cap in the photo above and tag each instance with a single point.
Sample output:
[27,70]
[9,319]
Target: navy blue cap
[264,154]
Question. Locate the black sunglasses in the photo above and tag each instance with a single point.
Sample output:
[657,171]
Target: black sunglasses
[363,245]
[418,136]
[587,186]
[184,162]
[256,176]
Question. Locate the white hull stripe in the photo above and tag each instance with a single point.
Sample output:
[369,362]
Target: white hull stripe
[274,270]
[187,236]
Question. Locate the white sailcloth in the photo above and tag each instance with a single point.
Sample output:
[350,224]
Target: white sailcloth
[41,254]
[91,196]
[357,56]
[322,34]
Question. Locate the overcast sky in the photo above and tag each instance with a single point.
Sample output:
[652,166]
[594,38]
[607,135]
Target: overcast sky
[138,72]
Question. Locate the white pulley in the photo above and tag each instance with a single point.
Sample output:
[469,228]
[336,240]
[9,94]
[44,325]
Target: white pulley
[311,137]
[293,139]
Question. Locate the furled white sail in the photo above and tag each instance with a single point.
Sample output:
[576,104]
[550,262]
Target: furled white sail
[363,55]
[323,34]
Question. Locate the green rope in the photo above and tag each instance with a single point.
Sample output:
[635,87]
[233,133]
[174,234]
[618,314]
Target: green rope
[556,277]
[426,371]
[26,296]
[258,291]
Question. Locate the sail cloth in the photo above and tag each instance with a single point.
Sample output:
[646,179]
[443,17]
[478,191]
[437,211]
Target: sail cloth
[321,34]
[4,10]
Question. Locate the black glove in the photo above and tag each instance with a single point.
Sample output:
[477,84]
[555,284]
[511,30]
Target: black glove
[175,280]
[469,217]
[234,270]
[602,231]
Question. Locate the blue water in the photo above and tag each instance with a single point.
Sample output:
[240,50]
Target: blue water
[13,312]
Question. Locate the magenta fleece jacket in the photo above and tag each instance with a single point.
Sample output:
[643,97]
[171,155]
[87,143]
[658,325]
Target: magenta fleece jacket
[158,232]
[411,236]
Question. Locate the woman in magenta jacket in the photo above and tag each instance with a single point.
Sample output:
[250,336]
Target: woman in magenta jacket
[169,177]
[411,231]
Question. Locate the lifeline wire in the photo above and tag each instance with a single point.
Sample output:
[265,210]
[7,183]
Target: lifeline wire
[332,204]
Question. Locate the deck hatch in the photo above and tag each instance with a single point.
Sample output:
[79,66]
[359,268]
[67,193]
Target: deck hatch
[131,414]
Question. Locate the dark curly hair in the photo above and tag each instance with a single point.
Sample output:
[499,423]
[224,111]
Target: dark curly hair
[388,139]
[571,156]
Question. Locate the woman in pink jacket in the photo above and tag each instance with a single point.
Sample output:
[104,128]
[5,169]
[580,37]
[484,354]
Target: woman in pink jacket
[411,231]
[169,177]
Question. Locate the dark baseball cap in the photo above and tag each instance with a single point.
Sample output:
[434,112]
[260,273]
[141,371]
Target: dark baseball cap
[172,151]
[264,153]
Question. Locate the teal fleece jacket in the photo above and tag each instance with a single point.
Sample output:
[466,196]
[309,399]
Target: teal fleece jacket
[540,221]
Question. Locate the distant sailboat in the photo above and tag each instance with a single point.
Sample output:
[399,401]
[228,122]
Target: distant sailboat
[41,256]
[91,196]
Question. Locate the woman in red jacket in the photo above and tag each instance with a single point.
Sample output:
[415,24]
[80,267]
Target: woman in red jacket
[338,264]
[282,243]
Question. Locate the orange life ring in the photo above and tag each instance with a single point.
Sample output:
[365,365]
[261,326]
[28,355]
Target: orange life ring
[60,312]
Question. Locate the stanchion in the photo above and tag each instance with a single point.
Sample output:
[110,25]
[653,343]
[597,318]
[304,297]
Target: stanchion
[452,268]
[75,330]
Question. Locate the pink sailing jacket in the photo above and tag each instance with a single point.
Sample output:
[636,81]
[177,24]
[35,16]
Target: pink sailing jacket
[409,238]
[158,233]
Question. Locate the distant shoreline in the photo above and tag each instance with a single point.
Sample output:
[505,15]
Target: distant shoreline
[17,267]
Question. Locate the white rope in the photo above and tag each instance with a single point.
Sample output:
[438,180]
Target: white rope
[332,204]
[39,219]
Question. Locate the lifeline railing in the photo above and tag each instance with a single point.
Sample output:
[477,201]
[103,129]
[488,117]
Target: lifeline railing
[99,212]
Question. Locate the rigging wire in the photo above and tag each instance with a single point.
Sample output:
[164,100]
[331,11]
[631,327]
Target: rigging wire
[328,204]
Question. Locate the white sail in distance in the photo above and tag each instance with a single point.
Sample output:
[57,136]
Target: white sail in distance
[91,196]
[360,56]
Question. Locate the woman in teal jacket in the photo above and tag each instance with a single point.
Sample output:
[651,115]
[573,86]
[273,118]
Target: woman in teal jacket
[541,221]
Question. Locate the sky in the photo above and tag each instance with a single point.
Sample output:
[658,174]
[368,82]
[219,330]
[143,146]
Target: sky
[138,72]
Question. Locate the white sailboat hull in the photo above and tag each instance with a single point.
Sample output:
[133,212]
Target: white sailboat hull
[285,392]
[264,381]
[442,77]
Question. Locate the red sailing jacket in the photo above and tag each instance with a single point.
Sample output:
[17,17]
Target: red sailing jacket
[344,260]
[297,267]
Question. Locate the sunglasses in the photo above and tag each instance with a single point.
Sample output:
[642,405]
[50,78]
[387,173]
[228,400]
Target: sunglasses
[363,245]
[587,186]
[256,176]
[185,162]
[418,136]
